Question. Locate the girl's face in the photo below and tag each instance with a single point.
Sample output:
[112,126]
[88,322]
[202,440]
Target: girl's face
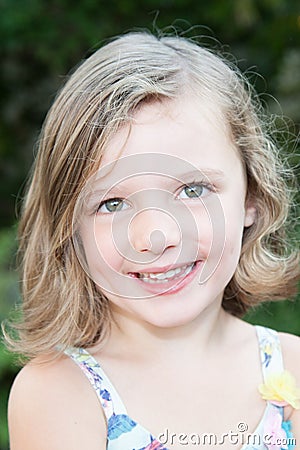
[162,220]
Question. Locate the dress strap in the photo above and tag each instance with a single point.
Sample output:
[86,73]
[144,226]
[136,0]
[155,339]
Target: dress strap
[270,351]
[106,392]
[272,363]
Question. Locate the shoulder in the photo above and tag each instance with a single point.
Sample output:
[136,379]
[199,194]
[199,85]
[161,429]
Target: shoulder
[290,345]
[54,396]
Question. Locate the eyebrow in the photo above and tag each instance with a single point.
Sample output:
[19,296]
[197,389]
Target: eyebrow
[207,172]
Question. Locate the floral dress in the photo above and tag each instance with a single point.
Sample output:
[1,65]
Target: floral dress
[272,433]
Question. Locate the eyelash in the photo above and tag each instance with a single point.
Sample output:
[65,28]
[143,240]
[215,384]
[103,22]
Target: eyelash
[195,184]
[105,202]
[192,185]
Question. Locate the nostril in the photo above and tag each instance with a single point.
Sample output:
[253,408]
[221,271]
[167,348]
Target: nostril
[153,231]
[157,241]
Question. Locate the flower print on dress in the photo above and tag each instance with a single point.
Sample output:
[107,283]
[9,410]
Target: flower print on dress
[90,368]
[105,395]
[269,346]
[97,379]
[267,351]
[280,389]
[287,426]
[275,437]
[119,424]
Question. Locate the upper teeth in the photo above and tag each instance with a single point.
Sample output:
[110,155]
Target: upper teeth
[165,276]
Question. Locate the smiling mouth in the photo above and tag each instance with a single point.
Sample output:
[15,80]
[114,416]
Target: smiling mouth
[165,277]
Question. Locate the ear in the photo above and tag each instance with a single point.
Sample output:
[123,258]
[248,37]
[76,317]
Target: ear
[250,214]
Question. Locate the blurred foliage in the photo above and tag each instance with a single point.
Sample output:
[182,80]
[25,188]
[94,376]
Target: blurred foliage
[9,296]
[41,40]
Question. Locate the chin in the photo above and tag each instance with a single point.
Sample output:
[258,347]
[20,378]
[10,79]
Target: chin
[172,319]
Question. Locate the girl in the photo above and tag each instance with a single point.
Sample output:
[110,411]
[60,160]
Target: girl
[153,221]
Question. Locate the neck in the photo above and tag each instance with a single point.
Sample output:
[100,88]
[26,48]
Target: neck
[139,339]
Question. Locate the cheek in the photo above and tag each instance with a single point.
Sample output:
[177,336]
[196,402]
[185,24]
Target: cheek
[225,237]
[202,230]
[105,252]
[211,224]
[233,243]
[234,235]
[99,248]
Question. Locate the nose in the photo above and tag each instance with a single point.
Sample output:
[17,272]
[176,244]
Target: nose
[154,231]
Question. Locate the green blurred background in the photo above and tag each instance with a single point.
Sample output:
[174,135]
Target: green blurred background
[41,40]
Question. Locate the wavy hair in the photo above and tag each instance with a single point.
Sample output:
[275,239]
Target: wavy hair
[61,304]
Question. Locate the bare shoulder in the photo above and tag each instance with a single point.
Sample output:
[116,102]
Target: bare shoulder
[290,345]
[52,406]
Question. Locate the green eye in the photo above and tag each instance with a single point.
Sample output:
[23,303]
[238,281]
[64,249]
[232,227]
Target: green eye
[195,190]
[112,205]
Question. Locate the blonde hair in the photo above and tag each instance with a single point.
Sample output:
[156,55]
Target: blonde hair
[61,304]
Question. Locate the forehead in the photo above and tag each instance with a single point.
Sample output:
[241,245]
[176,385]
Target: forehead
[184,128]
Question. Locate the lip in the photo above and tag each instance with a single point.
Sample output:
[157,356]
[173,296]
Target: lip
[168,287]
